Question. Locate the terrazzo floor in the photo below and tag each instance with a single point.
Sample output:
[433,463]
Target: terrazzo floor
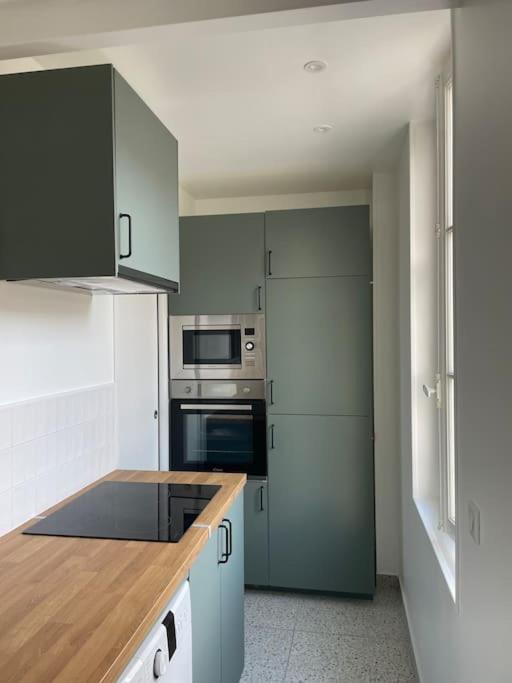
[291,637]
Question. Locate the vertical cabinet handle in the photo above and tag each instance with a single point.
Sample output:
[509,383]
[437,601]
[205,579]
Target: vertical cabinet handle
[272,444]
[271,387]
[121,216]
[270,262]
[230,537]
[262,489]
[259,297]
[225,554]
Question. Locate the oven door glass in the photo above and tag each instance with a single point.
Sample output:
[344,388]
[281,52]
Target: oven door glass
[212,347]
[218,437]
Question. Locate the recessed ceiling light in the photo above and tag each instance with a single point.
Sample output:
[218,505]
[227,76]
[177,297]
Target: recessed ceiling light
[315,65]
[324,128]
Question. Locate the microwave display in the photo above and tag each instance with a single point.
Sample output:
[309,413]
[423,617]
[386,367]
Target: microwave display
[212,347]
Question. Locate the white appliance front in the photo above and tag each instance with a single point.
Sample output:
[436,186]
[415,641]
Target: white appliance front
[152,661]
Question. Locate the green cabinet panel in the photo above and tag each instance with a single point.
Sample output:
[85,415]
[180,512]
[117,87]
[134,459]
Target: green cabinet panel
[321,509]
[256,532]
[217,598]
[222,265]
[205,600]
[147,186]
[318,242]
[319,346]
[232,598]
[79,148]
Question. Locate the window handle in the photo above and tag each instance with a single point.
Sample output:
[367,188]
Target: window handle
[435,391]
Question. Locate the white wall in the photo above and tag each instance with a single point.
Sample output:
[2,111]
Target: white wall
[470,642]
[57,426]
[205,207]
[52,341]
[386,384]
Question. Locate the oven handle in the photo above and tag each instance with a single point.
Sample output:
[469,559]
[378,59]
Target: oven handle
[213,406]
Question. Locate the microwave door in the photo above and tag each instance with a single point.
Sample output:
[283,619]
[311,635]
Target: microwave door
[212,348]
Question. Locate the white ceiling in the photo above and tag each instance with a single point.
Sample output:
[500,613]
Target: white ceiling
[243,108]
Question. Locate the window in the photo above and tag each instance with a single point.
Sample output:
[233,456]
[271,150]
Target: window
[446,346]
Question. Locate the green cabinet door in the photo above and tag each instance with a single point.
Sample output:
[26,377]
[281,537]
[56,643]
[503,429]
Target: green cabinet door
[222,265]
[232,597]
[321,505]
[146,156]
[256,532]
[318,242]
[319,337]
[205,600]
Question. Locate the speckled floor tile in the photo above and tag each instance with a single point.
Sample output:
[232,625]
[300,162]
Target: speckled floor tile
[271,609]
[352,617]
[268,647]
[303,638]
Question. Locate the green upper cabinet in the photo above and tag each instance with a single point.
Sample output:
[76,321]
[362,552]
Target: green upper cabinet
[146,156]
[222,265]
[319,346]
[88,174]
[318,242]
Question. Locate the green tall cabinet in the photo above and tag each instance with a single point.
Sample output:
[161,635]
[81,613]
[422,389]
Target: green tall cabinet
[222,265]
[256,532]
[319,366]
[217,599]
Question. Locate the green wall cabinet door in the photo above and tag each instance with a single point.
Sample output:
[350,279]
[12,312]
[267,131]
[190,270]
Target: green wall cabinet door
[321,508]
[83,158]
[256,532]
[217,597]
[318,242]
[319,345]
[222,265]
[205,599]
[232,597]
[146,155]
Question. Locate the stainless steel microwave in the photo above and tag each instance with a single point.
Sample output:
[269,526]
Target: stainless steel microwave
[217,346]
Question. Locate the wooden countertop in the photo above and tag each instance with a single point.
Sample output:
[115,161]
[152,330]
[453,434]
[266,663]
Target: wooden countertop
[75,610]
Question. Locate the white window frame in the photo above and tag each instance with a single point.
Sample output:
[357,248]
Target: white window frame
[446,370]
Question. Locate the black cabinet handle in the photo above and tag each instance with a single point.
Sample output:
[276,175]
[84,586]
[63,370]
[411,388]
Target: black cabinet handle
[270,262]
[259,298]
[272,444]
[271,387]
[230,537]
[121,216]
[262,489]
[225,554]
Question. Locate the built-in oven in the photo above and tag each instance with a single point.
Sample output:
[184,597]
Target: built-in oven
[218,427]
[217,346]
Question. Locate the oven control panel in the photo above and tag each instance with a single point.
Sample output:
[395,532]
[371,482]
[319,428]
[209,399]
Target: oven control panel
[210,389]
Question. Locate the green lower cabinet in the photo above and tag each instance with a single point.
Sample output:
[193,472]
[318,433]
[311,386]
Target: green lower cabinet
[232,597]
[321,504]
[206,606]
[256,532]
[217,597]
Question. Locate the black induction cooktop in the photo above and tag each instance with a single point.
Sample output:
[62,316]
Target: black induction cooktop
[129,511]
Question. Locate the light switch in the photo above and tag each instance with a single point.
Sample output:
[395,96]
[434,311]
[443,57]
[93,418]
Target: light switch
[474,522]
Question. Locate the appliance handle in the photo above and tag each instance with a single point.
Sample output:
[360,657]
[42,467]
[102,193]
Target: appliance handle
[128,216]
[213,406]
[225,554]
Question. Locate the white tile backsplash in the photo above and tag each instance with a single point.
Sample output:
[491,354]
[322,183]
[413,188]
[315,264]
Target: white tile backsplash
[51,447]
